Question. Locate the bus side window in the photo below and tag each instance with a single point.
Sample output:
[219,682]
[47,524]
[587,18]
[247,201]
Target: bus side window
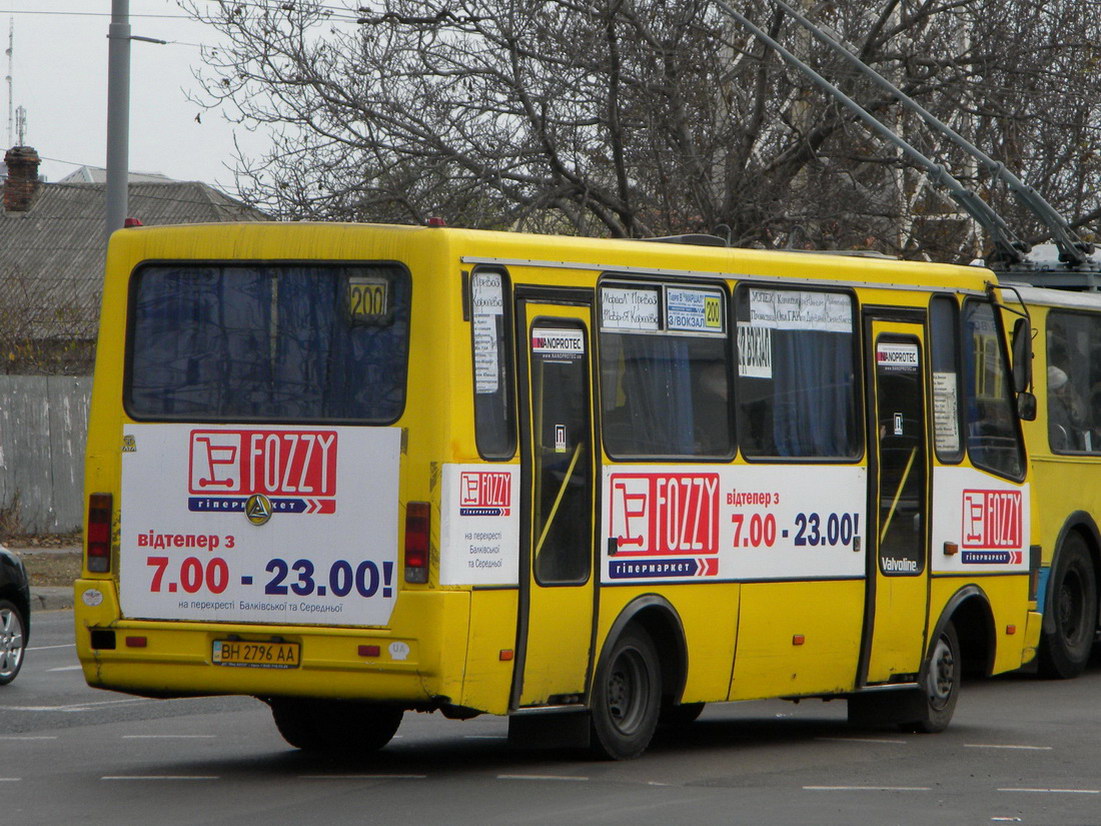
[797,388]
[491,331]
[1074,382]
[993,437]
[944,342]
[665,371]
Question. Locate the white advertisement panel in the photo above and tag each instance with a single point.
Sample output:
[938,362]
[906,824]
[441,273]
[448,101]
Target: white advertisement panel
[985,521]
[266,523]
[733,523]
[480,525]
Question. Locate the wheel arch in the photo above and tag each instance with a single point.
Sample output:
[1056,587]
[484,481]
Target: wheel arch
[1081,522]
[969,611]
[657,616]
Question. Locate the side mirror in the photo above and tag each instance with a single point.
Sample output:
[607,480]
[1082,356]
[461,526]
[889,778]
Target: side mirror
[1026,406]
[1022,359]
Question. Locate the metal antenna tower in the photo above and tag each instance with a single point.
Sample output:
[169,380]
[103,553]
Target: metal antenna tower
[11,48]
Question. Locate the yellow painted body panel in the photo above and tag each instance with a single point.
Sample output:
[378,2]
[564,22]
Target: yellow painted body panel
[709,616]
[492,631]
[771,660]
[1008,600]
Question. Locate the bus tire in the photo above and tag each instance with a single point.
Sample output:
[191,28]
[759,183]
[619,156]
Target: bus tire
[940,683]
[626,699]
[334,726]
[1065,650]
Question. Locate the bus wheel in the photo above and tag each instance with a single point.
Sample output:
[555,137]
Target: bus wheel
[1066,649]
[626,697]
[334,726]
[940,684]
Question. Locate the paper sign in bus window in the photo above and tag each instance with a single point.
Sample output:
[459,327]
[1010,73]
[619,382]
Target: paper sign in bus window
[487,300]
[368,300]
[800,310]
[946,417]
[628,308]
[697,311]
[754,351]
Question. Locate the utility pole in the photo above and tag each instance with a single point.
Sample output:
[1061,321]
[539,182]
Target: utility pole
[118,114]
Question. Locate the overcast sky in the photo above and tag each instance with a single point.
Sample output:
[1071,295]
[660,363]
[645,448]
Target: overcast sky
[59,75]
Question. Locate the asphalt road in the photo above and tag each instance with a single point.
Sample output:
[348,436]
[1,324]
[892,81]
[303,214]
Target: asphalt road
[1020,750]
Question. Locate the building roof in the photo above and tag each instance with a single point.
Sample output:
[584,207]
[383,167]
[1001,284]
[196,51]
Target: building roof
[52,255]
[98,175]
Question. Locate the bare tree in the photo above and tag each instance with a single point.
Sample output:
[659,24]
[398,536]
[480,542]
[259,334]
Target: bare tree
[42,330]
[650,117]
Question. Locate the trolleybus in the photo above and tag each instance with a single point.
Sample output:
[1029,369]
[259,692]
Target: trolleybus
[1064,444]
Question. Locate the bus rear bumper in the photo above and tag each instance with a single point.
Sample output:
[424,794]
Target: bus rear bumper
[164,658]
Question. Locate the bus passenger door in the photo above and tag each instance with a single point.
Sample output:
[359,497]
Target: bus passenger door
[554,636]
[897,565]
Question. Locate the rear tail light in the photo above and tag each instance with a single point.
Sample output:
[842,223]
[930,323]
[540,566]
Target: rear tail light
[100,506]
[418,528]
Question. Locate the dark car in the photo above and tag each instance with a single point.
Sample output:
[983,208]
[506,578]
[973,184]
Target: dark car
[15,614]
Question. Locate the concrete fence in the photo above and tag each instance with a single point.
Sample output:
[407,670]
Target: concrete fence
[43,429]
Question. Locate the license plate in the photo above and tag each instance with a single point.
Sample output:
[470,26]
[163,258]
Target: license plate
[250,654]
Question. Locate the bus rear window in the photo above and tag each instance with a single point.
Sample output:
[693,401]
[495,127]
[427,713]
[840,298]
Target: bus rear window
[295,342]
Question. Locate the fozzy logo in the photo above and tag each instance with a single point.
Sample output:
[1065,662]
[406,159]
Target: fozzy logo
[485,493]
[294,470]
[992,521]
[658,513]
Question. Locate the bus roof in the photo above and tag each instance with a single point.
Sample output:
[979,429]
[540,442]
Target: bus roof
[345,241]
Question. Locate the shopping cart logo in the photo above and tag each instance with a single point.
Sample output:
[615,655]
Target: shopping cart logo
[215,462]
[294,470]
[661,513]
[992,519]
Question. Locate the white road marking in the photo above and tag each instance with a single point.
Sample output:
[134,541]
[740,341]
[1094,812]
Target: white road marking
[28,736]
[1008,746]
[79,706]
[160,777]
[574,779]
[1054,791]
[48,647]
[169,736]
[485,736]
[362,776]
[10,779]
[868,788]
[862,740]
[65,668]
